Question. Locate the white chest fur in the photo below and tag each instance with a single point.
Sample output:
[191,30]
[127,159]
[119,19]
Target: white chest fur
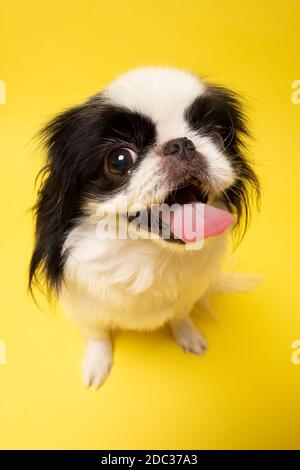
[137,284]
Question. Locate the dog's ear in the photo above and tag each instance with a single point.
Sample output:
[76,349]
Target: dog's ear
[54,207]
[245,190]
[223,108]
[70,140]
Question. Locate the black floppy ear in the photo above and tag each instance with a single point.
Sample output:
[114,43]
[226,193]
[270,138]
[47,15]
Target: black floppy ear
[72,141]
[234,127]
[73,147]
[55,209]
[221,109]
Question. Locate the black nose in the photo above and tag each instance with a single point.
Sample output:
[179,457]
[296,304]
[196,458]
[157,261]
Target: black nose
[182,147]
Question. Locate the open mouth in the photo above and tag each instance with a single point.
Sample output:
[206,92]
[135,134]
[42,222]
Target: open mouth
[182,197]
[186,195]
[184,217]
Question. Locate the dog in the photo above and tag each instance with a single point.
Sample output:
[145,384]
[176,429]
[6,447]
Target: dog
[155,136]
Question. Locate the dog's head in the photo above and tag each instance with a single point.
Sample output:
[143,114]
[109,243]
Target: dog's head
[155,135]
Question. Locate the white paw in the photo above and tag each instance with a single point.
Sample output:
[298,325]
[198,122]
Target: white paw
[188,337]
[97,362]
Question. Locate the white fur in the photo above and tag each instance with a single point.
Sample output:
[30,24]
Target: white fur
[163,94]
[97,362]
[187,336]
[135,284]
[143,284]
[139,285]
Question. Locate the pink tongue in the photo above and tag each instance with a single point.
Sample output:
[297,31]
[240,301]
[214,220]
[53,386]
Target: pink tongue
[195,221]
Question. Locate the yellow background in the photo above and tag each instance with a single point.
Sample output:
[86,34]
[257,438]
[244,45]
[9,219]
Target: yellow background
[245,392]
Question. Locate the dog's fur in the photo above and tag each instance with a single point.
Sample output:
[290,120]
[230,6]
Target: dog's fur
[136,284]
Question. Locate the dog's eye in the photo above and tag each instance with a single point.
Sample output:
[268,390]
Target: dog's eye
[118,162]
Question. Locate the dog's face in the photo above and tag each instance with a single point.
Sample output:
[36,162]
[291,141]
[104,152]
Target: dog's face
[165,129]
[154,135]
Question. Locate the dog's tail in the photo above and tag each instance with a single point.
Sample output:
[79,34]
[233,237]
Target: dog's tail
[229,283]
[235,282]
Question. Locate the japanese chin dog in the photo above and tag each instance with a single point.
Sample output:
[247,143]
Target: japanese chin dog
[155,139]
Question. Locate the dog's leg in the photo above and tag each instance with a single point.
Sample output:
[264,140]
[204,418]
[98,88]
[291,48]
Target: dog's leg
[187,336]
[97,359]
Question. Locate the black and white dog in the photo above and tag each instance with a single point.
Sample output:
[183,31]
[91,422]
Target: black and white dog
[155,136]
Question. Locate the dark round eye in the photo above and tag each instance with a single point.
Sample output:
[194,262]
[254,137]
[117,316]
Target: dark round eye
[118,162]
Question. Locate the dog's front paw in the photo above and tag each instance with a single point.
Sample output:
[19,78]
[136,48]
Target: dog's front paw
[97,362]
[188,337]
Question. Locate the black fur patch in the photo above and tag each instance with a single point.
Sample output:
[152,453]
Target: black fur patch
[77,141]
[219,109]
